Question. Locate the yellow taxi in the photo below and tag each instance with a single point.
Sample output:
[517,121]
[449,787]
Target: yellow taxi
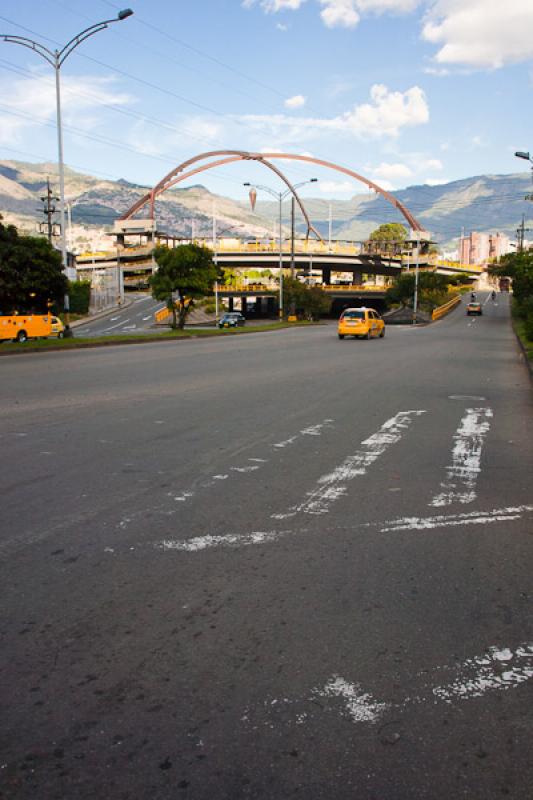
[58,329]
[362,322]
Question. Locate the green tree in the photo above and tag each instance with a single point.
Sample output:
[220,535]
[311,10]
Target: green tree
[31,275]
[184,275]
[432,290]
[519,267]
[389,237]
[310,302]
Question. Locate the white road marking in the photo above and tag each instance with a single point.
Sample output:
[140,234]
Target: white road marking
[146,318]
[333,485]
[116,326]
[312,430]
[359,705]
[229,540]
[498,669]
[233,540]
[130,327]
[256,463]
[286,442]
[466,459]
[455,520]
[184,496]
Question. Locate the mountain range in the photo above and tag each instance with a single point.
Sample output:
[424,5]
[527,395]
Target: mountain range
[487,203]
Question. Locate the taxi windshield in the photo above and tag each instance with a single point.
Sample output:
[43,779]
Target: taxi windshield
[353,315]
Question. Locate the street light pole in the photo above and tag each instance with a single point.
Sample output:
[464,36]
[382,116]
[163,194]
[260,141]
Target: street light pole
[281,197]
[417,265]
[56,58]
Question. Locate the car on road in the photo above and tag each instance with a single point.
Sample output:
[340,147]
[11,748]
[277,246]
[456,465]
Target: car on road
[474,309]
[58,329]
[364,323]
[232,319]
[21,327]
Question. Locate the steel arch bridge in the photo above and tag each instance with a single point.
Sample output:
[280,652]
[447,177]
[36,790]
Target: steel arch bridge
[218,158]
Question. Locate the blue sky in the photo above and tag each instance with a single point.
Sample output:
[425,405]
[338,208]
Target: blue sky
[402,91]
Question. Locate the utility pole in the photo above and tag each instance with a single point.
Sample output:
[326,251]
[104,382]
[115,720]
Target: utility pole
[49,210]
[520,235]
[292,237]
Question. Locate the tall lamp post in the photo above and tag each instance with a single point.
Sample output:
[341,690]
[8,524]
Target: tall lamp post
[280,196]
[56,58]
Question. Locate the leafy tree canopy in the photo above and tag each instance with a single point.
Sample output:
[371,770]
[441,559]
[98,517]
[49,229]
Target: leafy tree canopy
[185,274]
[432,290]
[389,232]
[519,267]
[31,274]
[309,301]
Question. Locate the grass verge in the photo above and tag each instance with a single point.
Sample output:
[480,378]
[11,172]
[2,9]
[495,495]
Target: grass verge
[79,342]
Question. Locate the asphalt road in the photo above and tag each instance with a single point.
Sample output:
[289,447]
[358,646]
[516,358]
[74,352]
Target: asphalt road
[138,317]
[271,566]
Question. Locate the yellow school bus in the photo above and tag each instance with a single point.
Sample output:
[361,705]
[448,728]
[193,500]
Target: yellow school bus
[21,327]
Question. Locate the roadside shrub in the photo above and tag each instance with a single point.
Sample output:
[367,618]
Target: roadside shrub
[79,293]
[528,326]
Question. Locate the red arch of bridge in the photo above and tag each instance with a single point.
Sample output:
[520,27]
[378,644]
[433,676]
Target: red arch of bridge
[177,175]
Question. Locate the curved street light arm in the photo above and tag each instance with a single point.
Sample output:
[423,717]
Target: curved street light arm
[270,191]
[40,49]
[64,53]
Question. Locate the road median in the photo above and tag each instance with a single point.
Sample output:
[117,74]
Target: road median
[75,343]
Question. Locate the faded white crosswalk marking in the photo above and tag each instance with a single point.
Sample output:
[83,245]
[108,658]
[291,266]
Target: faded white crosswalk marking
[461,475]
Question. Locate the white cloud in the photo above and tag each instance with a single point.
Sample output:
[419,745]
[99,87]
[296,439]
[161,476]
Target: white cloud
[389,112]
[337,187]
[385,115]
[431,164]
[436,181]
[480,33]
[380,6]
[339,13]
[34,99]
[281,27]
[392,172]
[272,6]
[384,184]
[439,72]
[298,101]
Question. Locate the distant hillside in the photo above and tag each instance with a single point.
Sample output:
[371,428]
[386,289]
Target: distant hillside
[482,203]
[97,203]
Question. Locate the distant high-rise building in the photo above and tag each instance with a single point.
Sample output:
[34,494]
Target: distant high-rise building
[479,248]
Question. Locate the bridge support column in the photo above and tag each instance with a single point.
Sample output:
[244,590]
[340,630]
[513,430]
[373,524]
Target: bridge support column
[357,278]
[326,276]
[271,307]
[230,304]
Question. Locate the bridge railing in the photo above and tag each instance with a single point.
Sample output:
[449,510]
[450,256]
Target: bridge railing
[441,311]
